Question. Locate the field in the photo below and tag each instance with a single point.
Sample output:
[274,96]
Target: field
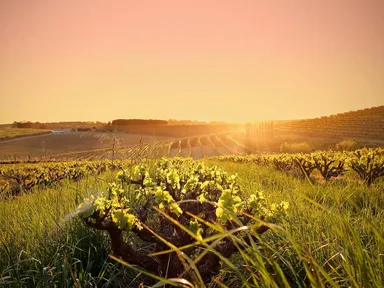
[8,132]
[196,141]
[52,144]
[98,145]
[218,209]
[101,145]
[88,146]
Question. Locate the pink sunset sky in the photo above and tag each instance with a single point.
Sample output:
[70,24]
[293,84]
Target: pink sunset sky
[207,60]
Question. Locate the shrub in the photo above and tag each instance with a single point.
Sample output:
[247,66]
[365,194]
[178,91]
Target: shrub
[368,164]
[302,147]
[192,205]
[346,145]
[305,163]
[330,164]
[281,162]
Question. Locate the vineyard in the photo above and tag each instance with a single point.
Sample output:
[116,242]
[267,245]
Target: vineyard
[368,164]
[366,127]
[191,144]
[209,210]
[195,146]
[367,123]
[195,222]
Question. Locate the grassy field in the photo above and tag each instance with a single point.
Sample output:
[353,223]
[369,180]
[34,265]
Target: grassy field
[332,236]
[8,132]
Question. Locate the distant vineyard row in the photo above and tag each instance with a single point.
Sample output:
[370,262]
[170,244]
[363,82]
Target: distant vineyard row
[196,147]
[367,123]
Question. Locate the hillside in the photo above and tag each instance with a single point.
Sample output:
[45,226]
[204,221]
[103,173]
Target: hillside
[366,123]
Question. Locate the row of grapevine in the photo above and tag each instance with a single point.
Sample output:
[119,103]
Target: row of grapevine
[367,163]
[21,178]
[368,123]
[195,146]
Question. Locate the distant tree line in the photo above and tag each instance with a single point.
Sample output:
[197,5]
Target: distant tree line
[127,122]
[58,125]
[35,125]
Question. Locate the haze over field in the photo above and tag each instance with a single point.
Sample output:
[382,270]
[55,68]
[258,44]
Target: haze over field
[204,60]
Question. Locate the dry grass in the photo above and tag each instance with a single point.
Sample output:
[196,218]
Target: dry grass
[8,132]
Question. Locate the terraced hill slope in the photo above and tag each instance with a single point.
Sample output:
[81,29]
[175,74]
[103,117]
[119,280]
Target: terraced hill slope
[366,123]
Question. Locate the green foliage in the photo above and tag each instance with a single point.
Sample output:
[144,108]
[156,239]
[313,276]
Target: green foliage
[305,163]
[180,190]
[331,237]
[282,162]
[368,164]
[40,247]
[174,180]
[24,177]
[195,228]
[228,204]
[330,164]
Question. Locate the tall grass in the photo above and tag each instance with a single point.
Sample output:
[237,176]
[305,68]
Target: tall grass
[42,246]
[332,237]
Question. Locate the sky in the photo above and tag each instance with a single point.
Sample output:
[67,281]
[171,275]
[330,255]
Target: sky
[239,60]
